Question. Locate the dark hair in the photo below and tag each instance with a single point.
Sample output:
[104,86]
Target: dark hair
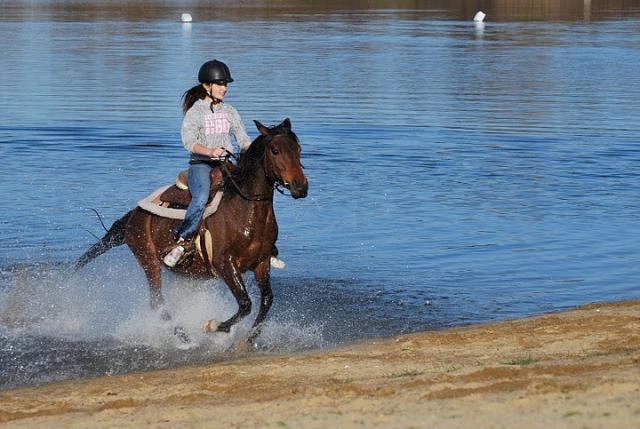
[191,96]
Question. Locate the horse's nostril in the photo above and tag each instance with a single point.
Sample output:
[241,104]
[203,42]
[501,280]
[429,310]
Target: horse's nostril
[299,187]
[300,184]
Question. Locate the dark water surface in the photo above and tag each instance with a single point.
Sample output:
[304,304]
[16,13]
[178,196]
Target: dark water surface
[459,173]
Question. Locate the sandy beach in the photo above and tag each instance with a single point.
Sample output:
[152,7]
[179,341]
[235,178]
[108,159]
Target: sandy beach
[574,369]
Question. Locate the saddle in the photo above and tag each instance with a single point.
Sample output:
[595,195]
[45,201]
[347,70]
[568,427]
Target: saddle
[178,196]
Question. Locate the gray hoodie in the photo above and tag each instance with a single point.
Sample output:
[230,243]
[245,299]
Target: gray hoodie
[213,129]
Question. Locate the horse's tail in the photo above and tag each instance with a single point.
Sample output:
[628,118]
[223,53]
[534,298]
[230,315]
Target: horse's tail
[113,238]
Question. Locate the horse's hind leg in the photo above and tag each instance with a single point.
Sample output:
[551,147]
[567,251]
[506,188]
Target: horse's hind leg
[263,278]
[139,240]
[154,279]
[152,269]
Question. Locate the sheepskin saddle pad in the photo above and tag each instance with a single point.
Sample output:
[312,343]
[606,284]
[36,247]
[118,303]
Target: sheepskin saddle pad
[172,200]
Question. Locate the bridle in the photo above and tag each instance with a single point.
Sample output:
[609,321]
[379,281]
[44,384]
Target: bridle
[258,197]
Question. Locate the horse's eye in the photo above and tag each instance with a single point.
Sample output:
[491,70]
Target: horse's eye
[274,150]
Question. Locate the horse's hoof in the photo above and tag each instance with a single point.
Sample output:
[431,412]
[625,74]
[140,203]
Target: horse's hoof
[278,263]
[181,334]
[165,316]
[210,326]
[242,347]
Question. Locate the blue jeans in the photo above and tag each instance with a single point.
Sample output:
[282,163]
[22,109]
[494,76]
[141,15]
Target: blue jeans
[199,186]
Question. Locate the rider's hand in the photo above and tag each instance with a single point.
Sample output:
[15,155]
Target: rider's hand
[217,152]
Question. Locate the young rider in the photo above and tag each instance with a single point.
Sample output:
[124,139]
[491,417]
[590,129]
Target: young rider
[206,133]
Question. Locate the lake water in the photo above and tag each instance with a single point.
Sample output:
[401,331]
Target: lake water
[459,173]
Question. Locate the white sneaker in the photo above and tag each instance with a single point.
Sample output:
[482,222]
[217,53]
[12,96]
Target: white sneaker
[172,258]
[277,263]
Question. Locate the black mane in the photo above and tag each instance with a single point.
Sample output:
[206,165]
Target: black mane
[248,163]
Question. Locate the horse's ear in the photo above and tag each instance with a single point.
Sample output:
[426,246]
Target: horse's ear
[286,124]
[263,130]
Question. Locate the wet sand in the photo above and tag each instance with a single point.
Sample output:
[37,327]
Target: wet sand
[575,369]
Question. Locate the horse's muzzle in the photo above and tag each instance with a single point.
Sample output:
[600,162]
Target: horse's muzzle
[299,188]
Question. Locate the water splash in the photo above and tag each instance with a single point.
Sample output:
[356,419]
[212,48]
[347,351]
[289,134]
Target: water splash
[56,324]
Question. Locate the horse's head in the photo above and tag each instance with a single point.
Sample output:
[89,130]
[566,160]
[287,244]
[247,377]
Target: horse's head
[282,158]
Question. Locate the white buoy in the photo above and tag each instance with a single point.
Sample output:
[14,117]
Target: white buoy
[186,17]
[479,16]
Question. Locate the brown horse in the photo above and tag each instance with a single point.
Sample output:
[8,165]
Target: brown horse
[239,237]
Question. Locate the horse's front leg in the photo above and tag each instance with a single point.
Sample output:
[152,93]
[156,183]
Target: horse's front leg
[263,278]
[232,276]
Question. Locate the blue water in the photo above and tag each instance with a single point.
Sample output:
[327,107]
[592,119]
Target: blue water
[458,173]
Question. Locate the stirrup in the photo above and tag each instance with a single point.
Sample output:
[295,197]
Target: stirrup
[277,263]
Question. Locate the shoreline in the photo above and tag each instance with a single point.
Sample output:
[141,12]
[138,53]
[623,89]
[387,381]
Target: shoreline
[575,368]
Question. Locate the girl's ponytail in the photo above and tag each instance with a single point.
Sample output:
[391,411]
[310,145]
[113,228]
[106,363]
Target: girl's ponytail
[191,96]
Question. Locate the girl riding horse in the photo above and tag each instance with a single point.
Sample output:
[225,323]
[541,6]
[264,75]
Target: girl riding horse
[244,228]
[206,133]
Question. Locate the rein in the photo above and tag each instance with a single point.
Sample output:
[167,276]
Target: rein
[227,173]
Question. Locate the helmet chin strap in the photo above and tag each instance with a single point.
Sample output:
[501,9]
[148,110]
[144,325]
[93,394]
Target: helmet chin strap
[214,100]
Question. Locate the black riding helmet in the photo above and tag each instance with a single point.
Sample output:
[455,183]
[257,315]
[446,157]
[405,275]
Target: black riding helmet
[214,71]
